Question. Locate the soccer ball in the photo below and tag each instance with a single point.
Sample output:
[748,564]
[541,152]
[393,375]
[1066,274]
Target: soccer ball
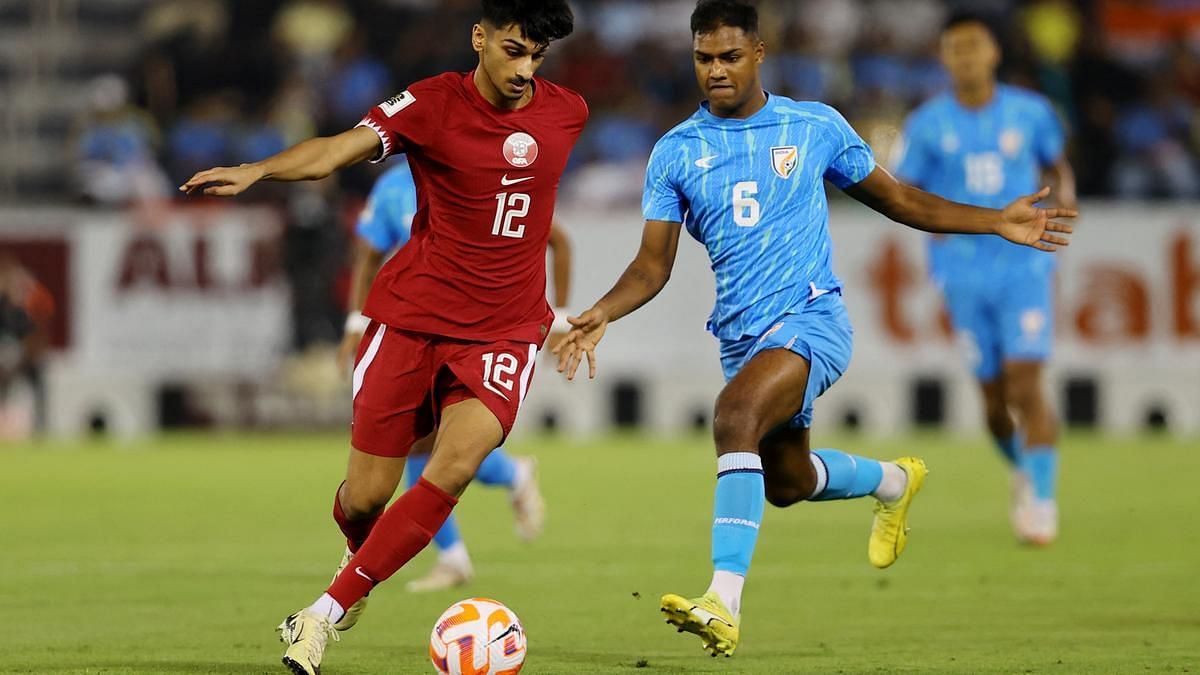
[477,637]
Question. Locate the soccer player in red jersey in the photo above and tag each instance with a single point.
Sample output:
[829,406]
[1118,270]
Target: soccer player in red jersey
[458,315]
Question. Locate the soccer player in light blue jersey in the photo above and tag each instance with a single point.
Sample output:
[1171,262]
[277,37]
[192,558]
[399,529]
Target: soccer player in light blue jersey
[383,227]
[986,144]
[745,175]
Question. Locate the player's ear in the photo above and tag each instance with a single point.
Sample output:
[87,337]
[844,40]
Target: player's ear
[478,38]
[760,52]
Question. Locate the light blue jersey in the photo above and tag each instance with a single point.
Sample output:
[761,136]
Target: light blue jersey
[984,157]
[998,293]
[752,192]
[386,221]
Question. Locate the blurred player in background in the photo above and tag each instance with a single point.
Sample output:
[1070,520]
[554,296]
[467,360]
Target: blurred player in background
[458,315]
[384,226]
[26,308]
[745,174]
[986,144]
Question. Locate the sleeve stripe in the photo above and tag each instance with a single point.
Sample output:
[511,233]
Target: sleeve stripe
[383,137]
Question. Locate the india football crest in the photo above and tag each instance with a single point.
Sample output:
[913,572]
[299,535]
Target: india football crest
[1011,141]
[520,150]
[784,160]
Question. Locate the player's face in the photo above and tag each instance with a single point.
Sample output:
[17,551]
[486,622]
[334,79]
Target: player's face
[508,59]
[970,54]
[727,62]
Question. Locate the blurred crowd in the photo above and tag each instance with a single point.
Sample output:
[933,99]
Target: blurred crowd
[210,90]
[219,82]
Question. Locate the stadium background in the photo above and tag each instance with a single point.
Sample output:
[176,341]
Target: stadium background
[128,311]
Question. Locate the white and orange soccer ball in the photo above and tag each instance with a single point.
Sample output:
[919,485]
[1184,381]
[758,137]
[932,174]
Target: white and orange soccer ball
[478,636]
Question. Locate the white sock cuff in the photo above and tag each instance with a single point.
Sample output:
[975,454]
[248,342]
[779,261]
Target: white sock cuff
[822,474]
[456,554]
[739,461]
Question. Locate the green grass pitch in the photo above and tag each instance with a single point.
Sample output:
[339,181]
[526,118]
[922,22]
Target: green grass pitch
[181,555]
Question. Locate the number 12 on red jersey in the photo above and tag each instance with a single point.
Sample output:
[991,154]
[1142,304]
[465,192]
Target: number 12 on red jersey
[509,207]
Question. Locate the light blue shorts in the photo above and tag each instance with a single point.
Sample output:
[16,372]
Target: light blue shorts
[819,331]
[999,320]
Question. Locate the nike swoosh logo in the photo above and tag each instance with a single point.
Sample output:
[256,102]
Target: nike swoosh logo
[359,571]
[506,181]
[706,162]
[709,617]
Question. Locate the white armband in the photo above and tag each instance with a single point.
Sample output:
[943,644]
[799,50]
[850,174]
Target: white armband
[561,325]
[357,323]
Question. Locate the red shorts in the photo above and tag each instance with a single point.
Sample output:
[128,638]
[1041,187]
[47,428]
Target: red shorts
[403,380]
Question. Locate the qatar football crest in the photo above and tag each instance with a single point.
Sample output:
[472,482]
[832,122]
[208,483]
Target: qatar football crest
[520,150]
[783,160]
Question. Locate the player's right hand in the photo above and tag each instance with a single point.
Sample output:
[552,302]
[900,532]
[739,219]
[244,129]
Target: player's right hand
[581,342]
[346,352]
[223,181]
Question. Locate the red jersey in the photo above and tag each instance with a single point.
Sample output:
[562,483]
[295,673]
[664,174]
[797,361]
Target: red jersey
[475,268]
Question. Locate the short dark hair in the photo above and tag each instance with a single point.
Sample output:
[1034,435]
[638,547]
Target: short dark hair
[710,15]
[542,21]
[963,18]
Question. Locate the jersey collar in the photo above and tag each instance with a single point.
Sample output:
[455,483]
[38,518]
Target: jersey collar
[707,115]
[483,103]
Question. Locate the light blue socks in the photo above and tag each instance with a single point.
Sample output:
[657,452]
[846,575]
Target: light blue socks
[844,476]
[1040,463]
[737,511]
[498,468]
[1011,449]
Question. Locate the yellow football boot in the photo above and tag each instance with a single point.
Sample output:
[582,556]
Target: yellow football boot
[889,531]
[705,616]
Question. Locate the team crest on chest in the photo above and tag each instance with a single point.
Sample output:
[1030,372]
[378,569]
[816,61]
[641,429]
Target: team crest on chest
[1011,141]
[784,160]
[520,149]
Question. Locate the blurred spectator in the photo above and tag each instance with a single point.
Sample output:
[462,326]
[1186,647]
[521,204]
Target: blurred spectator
[25,311]
[203,137]
[1153,135]
[314,249]
[357,82]
[311,30]
[185,54]
[115,151]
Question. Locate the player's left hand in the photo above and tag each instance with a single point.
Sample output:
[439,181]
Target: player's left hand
[1023,222]
[588,329]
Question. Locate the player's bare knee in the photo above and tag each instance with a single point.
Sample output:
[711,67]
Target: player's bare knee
[1026,398]
[452,475]
[361,502]
[737,427]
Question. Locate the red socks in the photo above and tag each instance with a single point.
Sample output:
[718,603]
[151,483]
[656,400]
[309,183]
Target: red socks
[406,527]
[356,531]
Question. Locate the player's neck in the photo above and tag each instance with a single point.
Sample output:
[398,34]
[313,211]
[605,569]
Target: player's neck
[976,96]
[743,111]
[489,93]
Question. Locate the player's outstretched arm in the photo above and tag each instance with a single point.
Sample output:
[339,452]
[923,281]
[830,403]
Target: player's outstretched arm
[1061,177]
[313,159]
[641,281]
[1021,222]
[560,261]
[367,261]
[560,265]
